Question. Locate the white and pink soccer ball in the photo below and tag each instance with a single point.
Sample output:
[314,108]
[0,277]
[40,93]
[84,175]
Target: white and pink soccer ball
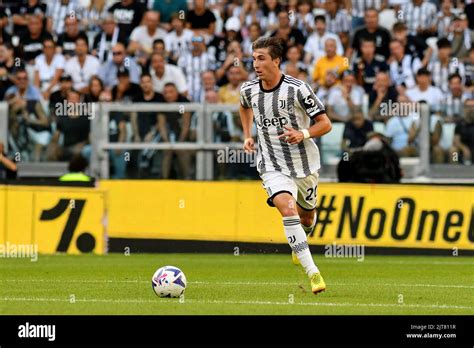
[169,281]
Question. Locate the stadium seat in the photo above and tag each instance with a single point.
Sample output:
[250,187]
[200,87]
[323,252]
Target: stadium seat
[331,143]
[447,135]
[379,127]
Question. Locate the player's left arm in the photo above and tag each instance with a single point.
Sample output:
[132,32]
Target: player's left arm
[315,110]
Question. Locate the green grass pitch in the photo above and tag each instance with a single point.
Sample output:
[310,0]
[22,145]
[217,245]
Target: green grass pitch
[245,284]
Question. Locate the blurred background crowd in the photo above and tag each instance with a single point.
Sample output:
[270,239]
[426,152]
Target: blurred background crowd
[369,61]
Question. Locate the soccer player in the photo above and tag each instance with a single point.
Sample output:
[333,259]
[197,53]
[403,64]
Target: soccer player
[287,158]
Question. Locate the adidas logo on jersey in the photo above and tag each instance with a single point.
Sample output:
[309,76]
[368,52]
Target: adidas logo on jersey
[275,121]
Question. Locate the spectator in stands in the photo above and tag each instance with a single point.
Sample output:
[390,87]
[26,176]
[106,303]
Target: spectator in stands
[234,57]
[168,8]
[8,168]
[33,40]
[372,31]
[423,90]
[96,91]
[291,36]
[194,64]
[67,40]
[82,66]
[125,90]
[330,61]
[270,9]
[107,39]
[108,71]
[7,67]
[93,14]
[230,92]
[143,36]
[5,37]
[314,46]
[49,67]
[461,38]
[209,82]
[128,15]
[402,135]
[201,20]
[463,142]
[453,104]
[23,12]
[58,10]
[444,66]
[469,68]
[174,127]
[382,91]
[330,82]
[304,18]
[25,108]
[356,130]
[73,128]
[359,9]
[219,44]
[255,31]
[444,18]
[144,124]
[162,73]
[403,67]
[414,45]
[178,41]
[344,97]
[420,16]
[368,65]
[293,60]
[118,134]
[338,21]
[56,98]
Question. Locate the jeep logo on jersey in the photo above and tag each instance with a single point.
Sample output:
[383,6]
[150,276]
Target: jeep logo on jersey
[274,121]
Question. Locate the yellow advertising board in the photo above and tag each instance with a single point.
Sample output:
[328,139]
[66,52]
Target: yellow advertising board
[402,216]
[56,219]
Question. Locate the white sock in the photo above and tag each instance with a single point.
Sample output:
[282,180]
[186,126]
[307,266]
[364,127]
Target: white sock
[309,229]
[299,244]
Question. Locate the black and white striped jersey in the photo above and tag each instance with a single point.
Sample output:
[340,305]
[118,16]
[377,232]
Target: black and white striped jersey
[419,17]
[292,102]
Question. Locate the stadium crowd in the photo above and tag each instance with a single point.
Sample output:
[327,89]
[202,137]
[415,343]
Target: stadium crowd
[353,53]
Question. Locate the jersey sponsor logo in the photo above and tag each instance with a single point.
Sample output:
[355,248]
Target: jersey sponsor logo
[309,101]
[274,121]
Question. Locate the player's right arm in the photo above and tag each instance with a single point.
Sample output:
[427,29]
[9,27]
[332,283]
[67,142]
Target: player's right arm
[246,117]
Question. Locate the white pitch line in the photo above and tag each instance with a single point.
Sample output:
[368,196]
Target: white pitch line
[141,281]
[271,303]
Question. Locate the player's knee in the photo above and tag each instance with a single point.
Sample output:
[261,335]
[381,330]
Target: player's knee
[307,218]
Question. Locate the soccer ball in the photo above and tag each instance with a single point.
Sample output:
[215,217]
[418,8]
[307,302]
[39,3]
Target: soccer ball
[169,281]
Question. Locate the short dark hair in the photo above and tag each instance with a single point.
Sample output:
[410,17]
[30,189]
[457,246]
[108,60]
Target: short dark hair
[275,46]
[423,71]
[454,76]
[443,43]
[145,74]
[319,18]
[77,164]
[399,26]
[171,84]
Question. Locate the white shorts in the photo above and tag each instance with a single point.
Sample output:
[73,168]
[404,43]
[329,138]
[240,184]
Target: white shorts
[304,190]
